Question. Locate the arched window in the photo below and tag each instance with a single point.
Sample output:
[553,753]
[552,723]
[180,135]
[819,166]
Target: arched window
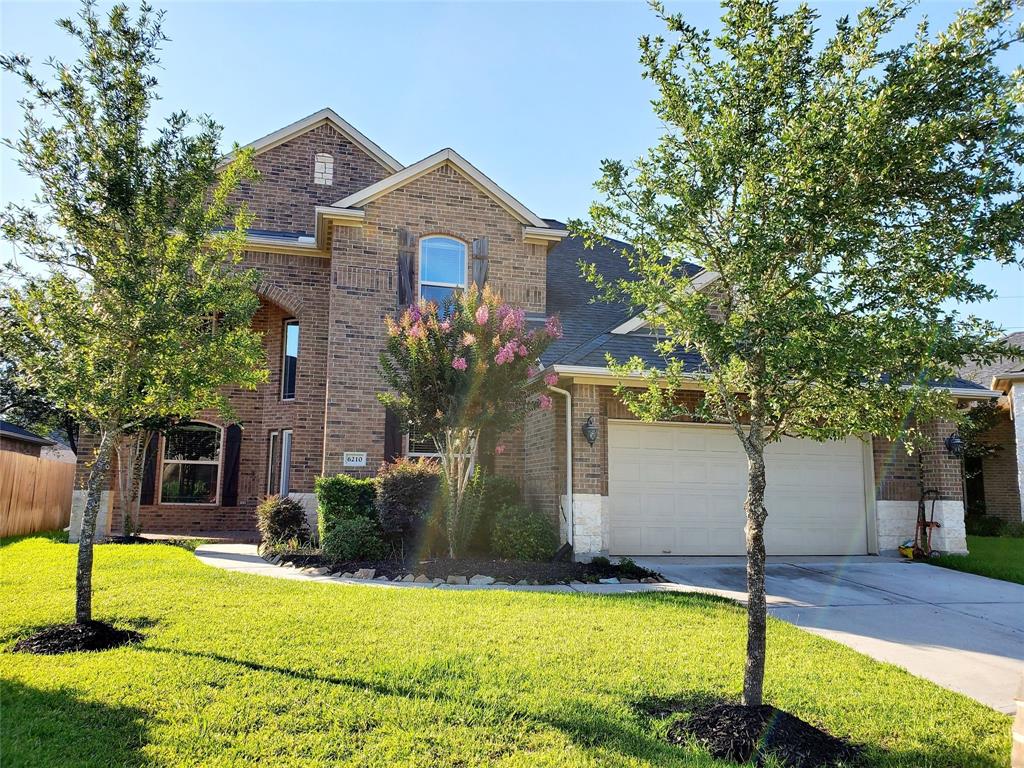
[191,464]
[442,267]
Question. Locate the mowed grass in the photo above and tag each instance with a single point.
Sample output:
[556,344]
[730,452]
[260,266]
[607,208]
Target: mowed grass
[246,670]
[998,557]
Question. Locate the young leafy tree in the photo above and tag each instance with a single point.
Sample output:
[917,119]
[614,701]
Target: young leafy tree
[135,312]
[456,371]
[839,193]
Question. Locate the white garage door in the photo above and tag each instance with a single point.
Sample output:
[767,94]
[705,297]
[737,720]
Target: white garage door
[678,489]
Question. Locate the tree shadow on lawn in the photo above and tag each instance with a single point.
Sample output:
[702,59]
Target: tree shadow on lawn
[581,721]
[59,728]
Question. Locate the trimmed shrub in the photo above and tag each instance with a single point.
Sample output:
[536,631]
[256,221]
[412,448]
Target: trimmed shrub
[353,538]
[1014,530]
[406,492]
[343,497]
[487,494]
[280,520]
[984,525]
[523,533]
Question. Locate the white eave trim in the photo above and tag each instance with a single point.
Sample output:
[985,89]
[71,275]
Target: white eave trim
[544,234]
[426,165]
[698,282]
[1009,378]
[966,393]
[331,117]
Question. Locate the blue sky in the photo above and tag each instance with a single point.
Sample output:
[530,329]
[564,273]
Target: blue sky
[534,94]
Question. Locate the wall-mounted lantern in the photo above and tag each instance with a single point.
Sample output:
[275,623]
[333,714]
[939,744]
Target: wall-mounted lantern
[590,430]
[955,445]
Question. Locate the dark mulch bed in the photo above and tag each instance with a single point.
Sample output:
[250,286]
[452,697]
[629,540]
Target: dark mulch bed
[511,571]
[68,638]
[739,733]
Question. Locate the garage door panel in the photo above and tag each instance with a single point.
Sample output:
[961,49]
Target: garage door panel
[688,499]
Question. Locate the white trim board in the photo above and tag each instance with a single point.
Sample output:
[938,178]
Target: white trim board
[329,116]
[446,156]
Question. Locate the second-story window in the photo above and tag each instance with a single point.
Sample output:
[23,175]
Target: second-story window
[290,359]
[442,268]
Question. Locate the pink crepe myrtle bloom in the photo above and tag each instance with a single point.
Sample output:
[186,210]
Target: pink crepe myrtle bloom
[446,325]
[418,331]
[513,320]
[459,364]
[414,313]
[468,339]
[531,372]
[523,351]
[553,327]
[551,379]
[544,402]
[483,314]
[499,449]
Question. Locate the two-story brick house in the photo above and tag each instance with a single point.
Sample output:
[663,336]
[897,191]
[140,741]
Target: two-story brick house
[344,235]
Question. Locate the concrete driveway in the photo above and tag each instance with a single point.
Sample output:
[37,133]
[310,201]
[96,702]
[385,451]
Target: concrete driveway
[962,631]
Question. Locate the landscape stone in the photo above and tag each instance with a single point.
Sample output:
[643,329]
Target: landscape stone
[437,580]
[629,581]
[649,580]
[321,571]
[482,580]
[458,580]
[347,575]
[365,573]
[422,579]
[522,583]
[408,577]
[612,580]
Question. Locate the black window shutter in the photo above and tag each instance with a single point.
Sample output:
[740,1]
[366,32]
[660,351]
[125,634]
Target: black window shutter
[480,263]
[148,491]
[232,452]
[392,437]
[406,250]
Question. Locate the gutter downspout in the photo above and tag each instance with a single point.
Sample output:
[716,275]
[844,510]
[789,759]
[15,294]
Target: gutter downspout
[568,459]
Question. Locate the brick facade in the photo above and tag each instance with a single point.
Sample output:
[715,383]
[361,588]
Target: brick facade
[999,471]
[285,196]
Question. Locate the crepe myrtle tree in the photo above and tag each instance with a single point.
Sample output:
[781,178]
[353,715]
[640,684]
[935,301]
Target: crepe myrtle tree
[834,196]
[456,370]
[132,312]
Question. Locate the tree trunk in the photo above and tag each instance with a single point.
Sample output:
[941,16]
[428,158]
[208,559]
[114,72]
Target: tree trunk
[97,478]
[753,672]
[136,487]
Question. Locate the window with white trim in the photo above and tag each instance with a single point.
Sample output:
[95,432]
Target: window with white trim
[442,267]
[190,471]
[323,170]
[286,462]
[273,462]
[420,446]
[289,359]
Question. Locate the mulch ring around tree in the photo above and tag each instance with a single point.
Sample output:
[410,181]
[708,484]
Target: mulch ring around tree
[509,571]
[739,733]
[68,638]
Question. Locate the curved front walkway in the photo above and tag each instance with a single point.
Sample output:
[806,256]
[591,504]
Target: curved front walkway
[244,558]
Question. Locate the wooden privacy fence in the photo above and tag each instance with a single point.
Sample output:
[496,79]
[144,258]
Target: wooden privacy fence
[35,493]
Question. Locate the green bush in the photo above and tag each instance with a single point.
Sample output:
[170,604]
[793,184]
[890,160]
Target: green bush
[523,533]
[406,492]
[353,538]
[1014,530]
[487,494]
[280,520]
[984,525]
[343,497]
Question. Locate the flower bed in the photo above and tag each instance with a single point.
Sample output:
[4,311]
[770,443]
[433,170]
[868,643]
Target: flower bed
[476,570]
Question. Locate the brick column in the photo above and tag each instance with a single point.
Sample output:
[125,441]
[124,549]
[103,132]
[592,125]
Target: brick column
[363,292]
[943,472]
[1017,403]
[589,472]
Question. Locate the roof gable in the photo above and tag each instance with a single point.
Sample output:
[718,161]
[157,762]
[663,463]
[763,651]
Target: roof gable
[432,162]
[324,116]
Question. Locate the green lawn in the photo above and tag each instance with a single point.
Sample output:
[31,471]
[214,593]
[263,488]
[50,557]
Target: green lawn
[998,557]
[240,670]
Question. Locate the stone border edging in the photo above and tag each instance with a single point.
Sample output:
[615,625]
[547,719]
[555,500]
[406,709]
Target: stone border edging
[245,558]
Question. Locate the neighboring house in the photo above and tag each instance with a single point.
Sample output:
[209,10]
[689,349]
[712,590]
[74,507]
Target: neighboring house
[344,235]
[998,479]
[20,440]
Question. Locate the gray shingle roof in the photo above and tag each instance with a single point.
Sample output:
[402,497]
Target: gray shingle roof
[587,323]
[982,374]
[14,432]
